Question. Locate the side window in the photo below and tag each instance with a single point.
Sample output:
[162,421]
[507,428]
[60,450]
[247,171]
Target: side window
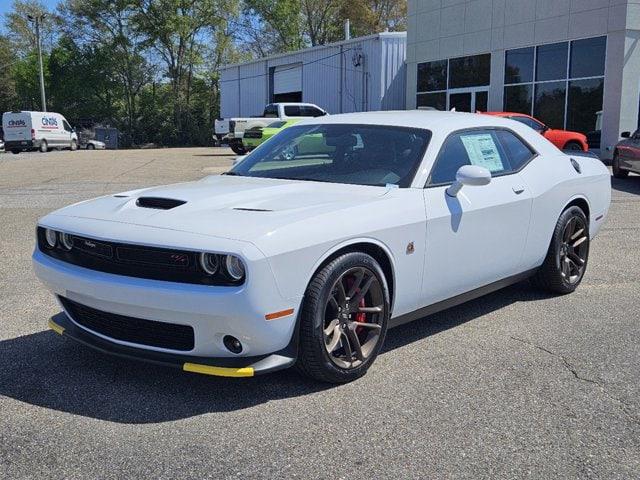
[308,111]
[270,111]
[473,147]
[537,126]
[292,111]
[67,127]
[518,152]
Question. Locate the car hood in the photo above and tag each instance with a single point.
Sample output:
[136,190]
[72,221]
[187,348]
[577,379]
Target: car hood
[241,208]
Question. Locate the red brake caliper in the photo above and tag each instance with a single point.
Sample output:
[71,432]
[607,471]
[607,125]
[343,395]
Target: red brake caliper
[361,317]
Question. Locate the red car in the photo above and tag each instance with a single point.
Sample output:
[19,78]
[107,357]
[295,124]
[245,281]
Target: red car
[563,139]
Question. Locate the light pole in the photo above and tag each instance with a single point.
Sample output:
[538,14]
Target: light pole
[37,20]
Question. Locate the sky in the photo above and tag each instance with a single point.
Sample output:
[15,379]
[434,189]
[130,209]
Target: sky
[5,5]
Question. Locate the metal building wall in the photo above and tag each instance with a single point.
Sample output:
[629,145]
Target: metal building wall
[378,82]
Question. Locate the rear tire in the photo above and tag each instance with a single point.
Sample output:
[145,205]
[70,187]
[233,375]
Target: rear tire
[15,152]
[566,261]
[338,340]
[90,146]
[615,166]
[238,148]
[44,148]
[574,146]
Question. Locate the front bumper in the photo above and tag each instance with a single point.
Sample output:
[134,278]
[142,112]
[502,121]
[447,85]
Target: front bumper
[222,367]
[211,311]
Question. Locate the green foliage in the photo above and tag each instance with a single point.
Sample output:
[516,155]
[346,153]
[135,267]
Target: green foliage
[151,67]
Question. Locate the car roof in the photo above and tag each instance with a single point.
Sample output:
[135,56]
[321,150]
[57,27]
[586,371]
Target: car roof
[441,124]
[507,114]
[428,119]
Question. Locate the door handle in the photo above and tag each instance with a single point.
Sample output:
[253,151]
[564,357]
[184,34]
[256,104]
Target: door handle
[518,189]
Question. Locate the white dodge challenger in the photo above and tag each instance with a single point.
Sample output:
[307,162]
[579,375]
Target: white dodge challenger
[321,239]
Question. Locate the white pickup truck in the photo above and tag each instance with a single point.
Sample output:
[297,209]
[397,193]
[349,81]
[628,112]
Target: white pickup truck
[232,130]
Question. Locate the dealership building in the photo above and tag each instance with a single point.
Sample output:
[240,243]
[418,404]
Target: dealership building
[573,64]
[354,75]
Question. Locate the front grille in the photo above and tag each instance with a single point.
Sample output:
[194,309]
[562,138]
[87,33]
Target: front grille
[153,263]
[130,329]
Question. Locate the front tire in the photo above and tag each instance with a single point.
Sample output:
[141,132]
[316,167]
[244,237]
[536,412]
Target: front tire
[90,146]
[74,145]
[566,261]
[615,166]
[344,319]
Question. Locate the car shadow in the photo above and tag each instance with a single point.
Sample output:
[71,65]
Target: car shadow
[631,184]
[50,371]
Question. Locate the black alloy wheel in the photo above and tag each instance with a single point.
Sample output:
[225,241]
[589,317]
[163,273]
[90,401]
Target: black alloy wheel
[566,261]
[344,319]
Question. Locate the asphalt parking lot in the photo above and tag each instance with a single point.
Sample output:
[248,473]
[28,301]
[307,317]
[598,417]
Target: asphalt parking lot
[517,384]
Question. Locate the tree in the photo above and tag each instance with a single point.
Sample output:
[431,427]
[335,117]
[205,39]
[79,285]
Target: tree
[8,87]
[285,25]
[107,27]
[21,31]
[280,24]
[174,29]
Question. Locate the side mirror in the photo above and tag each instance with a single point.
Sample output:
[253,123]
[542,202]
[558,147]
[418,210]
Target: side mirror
[239,159]
[625,134]
[471,175]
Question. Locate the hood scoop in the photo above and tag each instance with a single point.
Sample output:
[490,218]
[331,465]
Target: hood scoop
[159,203]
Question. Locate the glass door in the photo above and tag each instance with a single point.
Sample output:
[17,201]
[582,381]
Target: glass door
[468,100]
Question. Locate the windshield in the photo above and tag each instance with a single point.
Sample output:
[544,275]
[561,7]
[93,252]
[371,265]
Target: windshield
[339,153]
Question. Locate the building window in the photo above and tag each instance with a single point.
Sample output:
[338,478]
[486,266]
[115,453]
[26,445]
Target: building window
[432,76]
[561,84]
[435,80]
[436,100]
[517,98]
[584,103]
[588,57]
[549,103]
[551,62]
[470,71]
[519,65]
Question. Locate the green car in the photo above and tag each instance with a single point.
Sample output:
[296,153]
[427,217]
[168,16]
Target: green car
[257,135]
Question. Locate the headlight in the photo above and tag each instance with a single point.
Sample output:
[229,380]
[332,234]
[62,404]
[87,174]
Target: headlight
[51,237]
[234,267]
[66,240]
[210,263]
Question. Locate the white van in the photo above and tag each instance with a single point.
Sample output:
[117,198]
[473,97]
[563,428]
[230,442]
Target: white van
[37,131]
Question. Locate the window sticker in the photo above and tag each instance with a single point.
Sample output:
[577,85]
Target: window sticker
[482,151]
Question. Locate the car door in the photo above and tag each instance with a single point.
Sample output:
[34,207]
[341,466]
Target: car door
[629,152]
[477,237]
[67,133]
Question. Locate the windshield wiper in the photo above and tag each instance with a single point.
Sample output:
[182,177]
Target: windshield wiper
[232,174]
[302,179]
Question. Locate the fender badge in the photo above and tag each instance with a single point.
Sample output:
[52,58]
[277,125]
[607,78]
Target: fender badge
[410,248]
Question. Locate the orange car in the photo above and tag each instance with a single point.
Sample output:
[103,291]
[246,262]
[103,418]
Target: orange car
[563,139]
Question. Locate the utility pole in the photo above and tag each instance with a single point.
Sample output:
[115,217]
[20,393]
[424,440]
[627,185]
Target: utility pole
[38,20]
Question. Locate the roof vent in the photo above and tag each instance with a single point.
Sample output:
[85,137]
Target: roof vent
[159,203]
